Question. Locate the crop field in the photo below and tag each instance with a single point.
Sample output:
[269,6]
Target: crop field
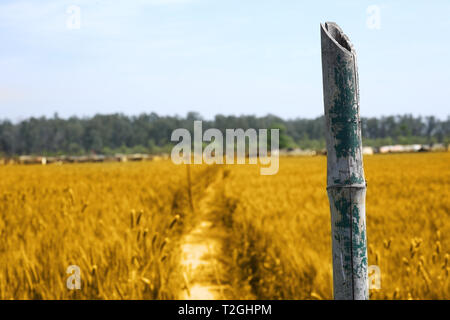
[282,232]
[113,221]
[125,225]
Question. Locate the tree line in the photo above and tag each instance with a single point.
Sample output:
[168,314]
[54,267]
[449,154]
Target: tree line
[150,133]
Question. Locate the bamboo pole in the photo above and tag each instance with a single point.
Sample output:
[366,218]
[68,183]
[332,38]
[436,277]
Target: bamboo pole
[346,185]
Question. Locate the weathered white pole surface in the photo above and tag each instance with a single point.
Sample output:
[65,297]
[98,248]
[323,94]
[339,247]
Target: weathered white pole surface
[346,185]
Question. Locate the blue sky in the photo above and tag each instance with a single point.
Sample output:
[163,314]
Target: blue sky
[228,57]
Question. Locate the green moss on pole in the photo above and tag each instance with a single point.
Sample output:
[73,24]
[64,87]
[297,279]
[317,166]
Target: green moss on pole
[345,174]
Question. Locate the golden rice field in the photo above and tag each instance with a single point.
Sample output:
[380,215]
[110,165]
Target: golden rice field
[121,223]
[281,227]
[111,220]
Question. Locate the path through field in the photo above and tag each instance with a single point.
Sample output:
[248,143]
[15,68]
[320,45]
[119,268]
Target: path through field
[202,252]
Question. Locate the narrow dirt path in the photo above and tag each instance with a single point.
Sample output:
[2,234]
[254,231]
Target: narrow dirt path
[202,252]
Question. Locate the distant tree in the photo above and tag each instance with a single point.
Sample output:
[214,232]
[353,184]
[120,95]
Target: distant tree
[117,133]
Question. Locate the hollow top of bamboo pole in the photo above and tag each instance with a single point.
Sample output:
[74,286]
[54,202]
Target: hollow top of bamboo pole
[338,37]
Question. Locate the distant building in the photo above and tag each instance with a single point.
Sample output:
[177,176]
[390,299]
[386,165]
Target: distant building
[400,148]
[367,150]
[121,157]
[438,147]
